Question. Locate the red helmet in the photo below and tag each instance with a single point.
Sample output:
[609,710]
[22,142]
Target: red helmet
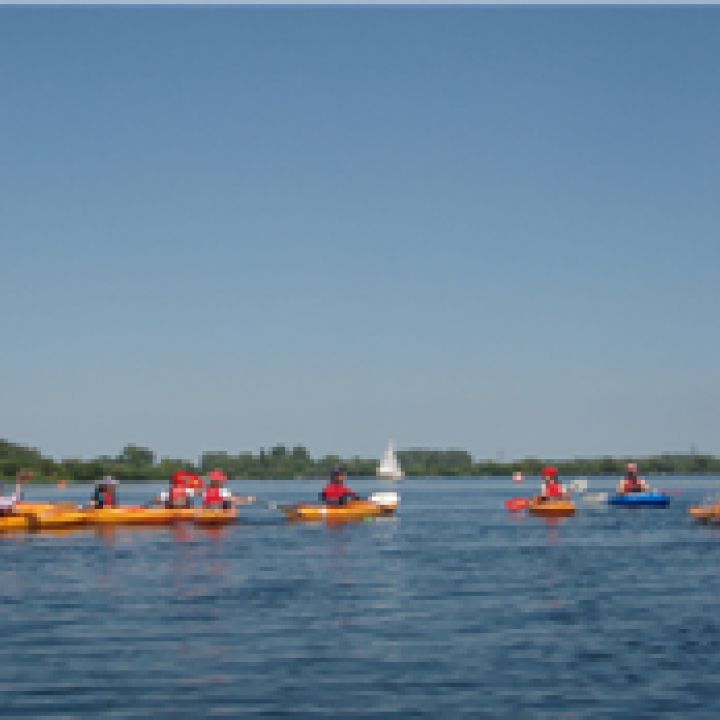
[549,472]
[217,476]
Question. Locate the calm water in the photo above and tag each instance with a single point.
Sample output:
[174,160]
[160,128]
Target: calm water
[452,609]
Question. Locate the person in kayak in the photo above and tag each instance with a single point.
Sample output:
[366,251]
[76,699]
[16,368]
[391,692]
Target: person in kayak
[178,495]
[552,488]
[217,496]
[336,492]
[105,493]
[9,501]
[631,483]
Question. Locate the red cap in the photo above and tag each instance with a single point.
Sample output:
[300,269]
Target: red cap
[549,472]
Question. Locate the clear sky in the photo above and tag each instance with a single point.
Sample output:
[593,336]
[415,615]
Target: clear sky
[476,227]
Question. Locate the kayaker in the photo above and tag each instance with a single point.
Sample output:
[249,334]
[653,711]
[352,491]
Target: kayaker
[217,496]
[631,483]
[336,492]
[105,493]
[8,501]
[552,488]
[178,495]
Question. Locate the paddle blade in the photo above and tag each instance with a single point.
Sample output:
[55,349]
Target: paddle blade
[580,485]
[598,497]
[517,504]
[386,499]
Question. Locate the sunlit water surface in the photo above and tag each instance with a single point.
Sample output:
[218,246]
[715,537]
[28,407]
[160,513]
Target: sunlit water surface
[454,608]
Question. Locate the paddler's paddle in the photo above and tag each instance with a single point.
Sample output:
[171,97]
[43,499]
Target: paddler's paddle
[517,504]
[598,497]
[272,505]
[579,485]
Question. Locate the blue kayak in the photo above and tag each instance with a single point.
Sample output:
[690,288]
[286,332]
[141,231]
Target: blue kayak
[640,499]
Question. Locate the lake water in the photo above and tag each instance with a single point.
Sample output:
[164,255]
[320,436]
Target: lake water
[454,608]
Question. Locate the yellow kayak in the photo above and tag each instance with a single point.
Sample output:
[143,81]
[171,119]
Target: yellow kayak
[551,508]
[708,513]
[354,510]
[35,507]
[135,515]
[47,519]
[8,523]
[208,516]
[42,519]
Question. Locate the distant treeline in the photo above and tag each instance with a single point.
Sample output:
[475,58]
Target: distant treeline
[139,463]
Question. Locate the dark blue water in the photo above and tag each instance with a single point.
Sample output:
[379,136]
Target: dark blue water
[454,608]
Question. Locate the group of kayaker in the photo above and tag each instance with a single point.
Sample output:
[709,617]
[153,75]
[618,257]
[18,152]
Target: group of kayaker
[184,489]
[553,489]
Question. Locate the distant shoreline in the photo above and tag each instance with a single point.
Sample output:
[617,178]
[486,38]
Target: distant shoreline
[140,464]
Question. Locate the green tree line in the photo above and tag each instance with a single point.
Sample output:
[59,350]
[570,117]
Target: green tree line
[140,463]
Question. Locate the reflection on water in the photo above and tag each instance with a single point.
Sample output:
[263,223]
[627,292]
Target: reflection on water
[454,608]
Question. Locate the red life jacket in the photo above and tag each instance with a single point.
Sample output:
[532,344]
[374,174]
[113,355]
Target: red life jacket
[336,492]
[553,489]
[213,496]
[178,496]
[632,484]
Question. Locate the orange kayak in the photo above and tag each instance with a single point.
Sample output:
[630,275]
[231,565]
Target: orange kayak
[52,519]
[215,517]
[42,519]
[38,507]
[354,510]
[136,515]
[8,523]
[551,508]
[707,513]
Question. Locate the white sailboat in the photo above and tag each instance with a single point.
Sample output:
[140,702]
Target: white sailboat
[389,467]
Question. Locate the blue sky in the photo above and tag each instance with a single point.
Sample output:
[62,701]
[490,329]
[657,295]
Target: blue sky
[489,228]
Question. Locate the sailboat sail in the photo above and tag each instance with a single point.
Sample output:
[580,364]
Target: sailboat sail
[389,466]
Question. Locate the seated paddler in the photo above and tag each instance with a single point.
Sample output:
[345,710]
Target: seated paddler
[632,483]
[217,496]
[105,493]
[552,488]
[336,492]
[178,495]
